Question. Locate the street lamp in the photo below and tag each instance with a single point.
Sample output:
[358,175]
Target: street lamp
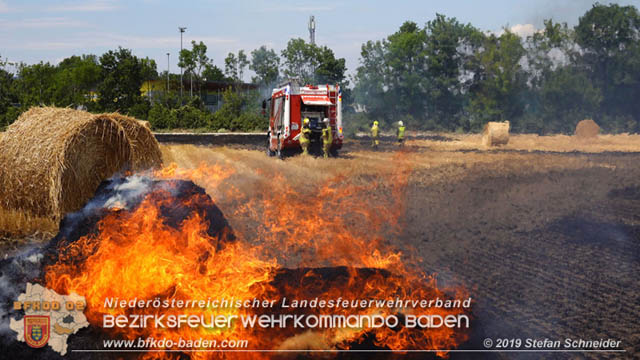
[167,72]
[182,29]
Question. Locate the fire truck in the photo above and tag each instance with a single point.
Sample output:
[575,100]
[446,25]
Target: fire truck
[290,103]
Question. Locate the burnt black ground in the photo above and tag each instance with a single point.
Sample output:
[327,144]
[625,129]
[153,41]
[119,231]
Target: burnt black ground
[545,255]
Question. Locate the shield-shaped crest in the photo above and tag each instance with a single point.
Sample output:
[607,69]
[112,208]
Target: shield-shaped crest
[36,330]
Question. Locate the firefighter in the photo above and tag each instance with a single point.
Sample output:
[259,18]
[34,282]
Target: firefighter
[305,136]
[375,131]
[400,133]
[327,138]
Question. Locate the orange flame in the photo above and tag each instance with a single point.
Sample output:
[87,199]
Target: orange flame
[135,254]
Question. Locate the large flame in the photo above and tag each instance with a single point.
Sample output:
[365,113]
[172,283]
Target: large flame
[337,227]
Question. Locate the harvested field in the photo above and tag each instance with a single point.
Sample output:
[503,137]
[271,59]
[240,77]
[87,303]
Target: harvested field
[547,238]
[531,143]
[544,232]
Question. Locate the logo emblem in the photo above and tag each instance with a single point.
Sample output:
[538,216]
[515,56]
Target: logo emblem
[36,330]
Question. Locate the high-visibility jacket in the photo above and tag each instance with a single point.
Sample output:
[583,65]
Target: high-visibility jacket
[374,131]
[327,136]
[401,132]
[305,136]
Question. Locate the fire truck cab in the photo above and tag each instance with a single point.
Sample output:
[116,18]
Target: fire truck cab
[290,103]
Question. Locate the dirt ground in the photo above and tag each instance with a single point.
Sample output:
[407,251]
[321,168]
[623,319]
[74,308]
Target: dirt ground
[545,232]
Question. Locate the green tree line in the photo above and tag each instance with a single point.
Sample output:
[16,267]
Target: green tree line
[455,77]
[444,75]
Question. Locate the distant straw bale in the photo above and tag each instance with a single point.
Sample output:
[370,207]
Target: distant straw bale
[587,129]
[52,160]
[146,150]
[495,133]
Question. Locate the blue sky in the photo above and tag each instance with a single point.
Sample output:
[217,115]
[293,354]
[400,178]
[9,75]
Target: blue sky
[35,30]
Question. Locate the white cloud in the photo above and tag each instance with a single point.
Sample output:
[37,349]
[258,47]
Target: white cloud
[312,8]
[157,42]
[86,41]
[86,6]
[524,30]
[298,8]
[40,23]
[4,8]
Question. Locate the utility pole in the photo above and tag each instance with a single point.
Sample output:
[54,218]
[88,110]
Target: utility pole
[312,30]
[182,29]
[167,72]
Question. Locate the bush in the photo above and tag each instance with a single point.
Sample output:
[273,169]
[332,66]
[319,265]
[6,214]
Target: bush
[189,117]
[219,121]
[10,116]
[140,110]
[160,117]
[248,121]
[356,122]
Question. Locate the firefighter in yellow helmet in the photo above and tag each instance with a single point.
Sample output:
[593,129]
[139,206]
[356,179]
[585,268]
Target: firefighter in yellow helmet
[400,133]
[305,136]
[375,132]
[327,138]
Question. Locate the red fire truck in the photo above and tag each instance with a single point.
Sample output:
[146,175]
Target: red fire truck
[290,103]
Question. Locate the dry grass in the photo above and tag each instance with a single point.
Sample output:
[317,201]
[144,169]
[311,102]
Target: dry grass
[253,167]
[18,223]
[553,143]
[430,161]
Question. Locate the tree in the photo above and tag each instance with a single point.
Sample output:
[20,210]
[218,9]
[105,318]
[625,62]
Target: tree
[7,95]
[499,84]
[567,96]
[449,48]
[195,61]
[122,76]
[265,63]
[242,64]
[312,64]
[560,92]
[36,84]
[392,81]
[330,69]
[231,67]
[75,78]
[299,60]
[234,66]
[213,73]
[609,36]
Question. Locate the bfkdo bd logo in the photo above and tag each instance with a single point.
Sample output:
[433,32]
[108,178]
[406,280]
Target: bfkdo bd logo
[36,330]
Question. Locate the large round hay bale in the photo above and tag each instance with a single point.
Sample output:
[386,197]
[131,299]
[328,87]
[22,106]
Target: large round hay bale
[52,160]
[495,133]
[146,150]
[587,129]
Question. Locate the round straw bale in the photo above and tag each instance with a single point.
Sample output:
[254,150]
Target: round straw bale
[495,133]
[587,129]
[52,160]
[146,151]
